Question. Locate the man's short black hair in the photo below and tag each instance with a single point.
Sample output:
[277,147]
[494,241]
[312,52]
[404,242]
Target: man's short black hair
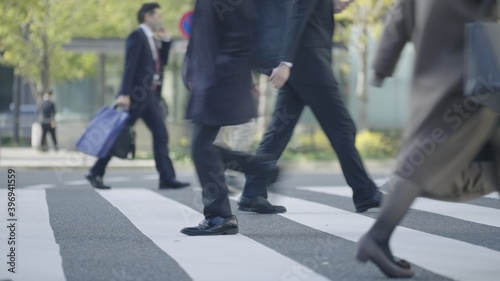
[147,8]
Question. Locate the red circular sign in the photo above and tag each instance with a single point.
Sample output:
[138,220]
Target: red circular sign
[186,24]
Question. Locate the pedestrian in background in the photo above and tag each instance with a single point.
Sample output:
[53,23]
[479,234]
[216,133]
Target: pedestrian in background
[46,117]
[147,50]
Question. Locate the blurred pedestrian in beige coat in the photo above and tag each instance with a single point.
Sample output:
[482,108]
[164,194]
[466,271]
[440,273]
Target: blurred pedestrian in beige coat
[446,131]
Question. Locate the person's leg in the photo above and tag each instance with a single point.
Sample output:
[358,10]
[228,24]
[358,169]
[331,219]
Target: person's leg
[152,117]
[210,171]
[394,207]
[374,245]
[335,120]
[53,136]
[287,111]
[474,180]
[99,168]
[440,175]
[96,174]
[43,143]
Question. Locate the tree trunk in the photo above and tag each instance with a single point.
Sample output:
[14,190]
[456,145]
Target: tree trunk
[33,90]
[16,101]
[362,88]
[45,67]
[45,63]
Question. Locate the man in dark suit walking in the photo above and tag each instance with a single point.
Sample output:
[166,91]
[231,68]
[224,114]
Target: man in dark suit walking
[219,76]
[144,61]
[305,78]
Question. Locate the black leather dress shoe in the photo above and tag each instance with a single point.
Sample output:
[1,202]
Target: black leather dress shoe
[96,182]
[213,226]
[260,165]
[174,184]
[259,205]
[373,202]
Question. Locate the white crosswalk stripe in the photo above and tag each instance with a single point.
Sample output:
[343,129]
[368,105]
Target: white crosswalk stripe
[472,213]
[447,257]
[37,254]
[40,186]
[494,195]
[203,258]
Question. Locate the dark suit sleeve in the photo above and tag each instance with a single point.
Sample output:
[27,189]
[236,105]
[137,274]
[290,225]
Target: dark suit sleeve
[394,38]
[132,53]
[300,14]
[164,52]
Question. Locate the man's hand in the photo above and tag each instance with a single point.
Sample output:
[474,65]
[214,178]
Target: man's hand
[280,75]
[340,5]
[163,34]
[123,101]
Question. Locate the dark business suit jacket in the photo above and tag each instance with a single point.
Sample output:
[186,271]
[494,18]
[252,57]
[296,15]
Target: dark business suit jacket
[140,68]
[219,64]
[309,47]
[137,81]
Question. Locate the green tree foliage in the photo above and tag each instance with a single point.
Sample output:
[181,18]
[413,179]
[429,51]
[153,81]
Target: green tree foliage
[33,33]
[117,18]
[362,23]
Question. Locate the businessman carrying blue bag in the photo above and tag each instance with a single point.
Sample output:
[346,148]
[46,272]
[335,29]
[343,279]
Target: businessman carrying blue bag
[140,93]
[103,132]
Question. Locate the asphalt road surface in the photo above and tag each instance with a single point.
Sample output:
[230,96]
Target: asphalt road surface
[65,230]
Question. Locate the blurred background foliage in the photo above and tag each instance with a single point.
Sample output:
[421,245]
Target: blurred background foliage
[312,145]
[33,32]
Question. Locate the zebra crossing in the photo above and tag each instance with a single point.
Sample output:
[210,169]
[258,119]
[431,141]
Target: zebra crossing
[132,233]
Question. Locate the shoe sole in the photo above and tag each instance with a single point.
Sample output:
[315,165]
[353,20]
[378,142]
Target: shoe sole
[366,208]
[248,209]
[361,210]
[229,231]
[172,188]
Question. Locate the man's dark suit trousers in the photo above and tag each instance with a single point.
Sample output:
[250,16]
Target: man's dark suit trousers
[328,107]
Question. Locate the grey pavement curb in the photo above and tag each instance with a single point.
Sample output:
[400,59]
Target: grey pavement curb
[27,158]
[377,166]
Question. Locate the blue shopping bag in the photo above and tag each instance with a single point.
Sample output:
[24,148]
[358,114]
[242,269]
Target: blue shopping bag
[102,132]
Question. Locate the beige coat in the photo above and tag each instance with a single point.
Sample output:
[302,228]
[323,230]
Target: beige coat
[446,131]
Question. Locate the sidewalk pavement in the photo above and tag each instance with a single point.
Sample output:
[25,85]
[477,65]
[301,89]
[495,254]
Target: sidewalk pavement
[28,158]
